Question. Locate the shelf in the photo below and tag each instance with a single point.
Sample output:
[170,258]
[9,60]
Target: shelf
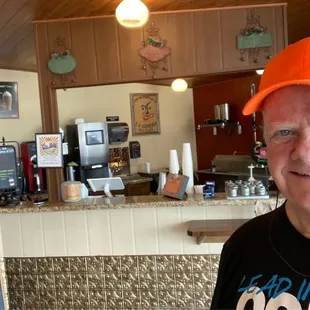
[225,124]
[213,230]
[222,125]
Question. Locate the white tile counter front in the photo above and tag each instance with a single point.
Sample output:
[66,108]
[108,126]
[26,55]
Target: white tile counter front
[113,231]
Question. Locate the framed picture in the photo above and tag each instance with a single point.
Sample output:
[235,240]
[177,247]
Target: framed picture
[144,114]
[4,297]
[49,150]
[8,100]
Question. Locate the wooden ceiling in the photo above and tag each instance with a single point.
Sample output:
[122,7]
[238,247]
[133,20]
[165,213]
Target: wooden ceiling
[16,30]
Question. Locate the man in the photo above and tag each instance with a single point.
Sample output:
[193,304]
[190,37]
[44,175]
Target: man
[266,262]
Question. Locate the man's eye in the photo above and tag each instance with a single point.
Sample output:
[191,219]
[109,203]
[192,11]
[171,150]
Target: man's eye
[284,133]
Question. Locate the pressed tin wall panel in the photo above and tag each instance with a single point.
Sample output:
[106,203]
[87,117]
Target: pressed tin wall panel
[112,282]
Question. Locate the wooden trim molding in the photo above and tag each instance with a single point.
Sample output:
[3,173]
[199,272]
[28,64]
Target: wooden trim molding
[166,12]
[17,69]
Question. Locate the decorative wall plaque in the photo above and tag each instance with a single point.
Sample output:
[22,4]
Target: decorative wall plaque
[144,114]
[62,62]
[253,38]
[154,52]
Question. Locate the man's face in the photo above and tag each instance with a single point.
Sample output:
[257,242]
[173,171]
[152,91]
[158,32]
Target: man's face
[287,132]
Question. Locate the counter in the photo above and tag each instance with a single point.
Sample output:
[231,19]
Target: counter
[128,202]
[118,226]
[105,253]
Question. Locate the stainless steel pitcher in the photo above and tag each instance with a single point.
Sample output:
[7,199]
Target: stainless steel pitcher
[217,111]
[224,111]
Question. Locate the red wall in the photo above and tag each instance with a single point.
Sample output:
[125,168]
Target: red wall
[235,92]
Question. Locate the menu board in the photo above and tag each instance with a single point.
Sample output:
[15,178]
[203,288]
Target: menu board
[8,169]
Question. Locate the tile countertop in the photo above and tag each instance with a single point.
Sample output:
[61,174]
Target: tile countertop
[135,202]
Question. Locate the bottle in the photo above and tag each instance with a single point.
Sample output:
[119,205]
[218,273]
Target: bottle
[213,167]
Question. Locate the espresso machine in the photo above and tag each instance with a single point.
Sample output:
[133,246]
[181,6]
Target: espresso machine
[88,149]
[34,176]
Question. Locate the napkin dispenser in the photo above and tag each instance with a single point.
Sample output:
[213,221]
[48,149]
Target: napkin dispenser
[118,132]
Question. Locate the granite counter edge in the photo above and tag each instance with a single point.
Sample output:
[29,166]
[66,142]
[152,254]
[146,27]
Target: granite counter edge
[98,204]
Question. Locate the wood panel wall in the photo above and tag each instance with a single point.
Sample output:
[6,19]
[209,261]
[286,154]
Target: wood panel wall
[106,53]
[236,93]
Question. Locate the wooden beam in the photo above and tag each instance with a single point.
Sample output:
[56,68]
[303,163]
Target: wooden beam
[49,108]
[14,67]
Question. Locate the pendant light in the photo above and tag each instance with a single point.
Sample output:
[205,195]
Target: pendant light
[260,71]
[179,85]
[132,13]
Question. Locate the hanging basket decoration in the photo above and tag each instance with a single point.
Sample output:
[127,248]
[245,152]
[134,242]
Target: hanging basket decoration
[253,38]
[62,63]
[154,52]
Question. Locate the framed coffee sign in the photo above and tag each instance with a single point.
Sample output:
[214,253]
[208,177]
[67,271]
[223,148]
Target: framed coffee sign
[49,150]
[8,100]
[145,113]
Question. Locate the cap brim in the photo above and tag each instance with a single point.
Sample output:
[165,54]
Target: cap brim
[255,103]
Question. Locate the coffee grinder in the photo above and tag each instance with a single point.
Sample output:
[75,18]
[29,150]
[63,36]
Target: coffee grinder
[34,175]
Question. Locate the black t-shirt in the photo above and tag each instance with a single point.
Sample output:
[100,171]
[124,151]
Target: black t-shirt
[265,264]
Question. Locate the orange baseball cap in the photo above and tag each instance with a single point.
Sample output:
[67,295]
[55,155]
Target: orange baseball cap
[289,67]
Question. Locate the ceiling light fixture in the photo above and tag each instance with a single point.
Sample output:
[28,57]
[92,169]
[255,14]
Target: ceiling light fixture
[260,71]
[132,13]
[179,85]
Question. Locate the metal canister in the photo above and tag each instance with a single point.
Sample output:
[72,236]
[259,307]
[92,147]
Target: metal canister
[238,182]
[252,189]
[70,173]
[245,190]
[262,191]
[228,184]
[233,191]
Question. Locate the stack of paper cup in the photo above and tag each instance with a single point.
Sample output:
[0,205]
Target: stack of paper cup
[148,167]
[198,189]
[162,182]
[187,167]
[174,162]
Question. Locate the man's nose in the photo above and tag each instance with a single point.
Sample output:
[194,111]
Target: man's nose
[301,149]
